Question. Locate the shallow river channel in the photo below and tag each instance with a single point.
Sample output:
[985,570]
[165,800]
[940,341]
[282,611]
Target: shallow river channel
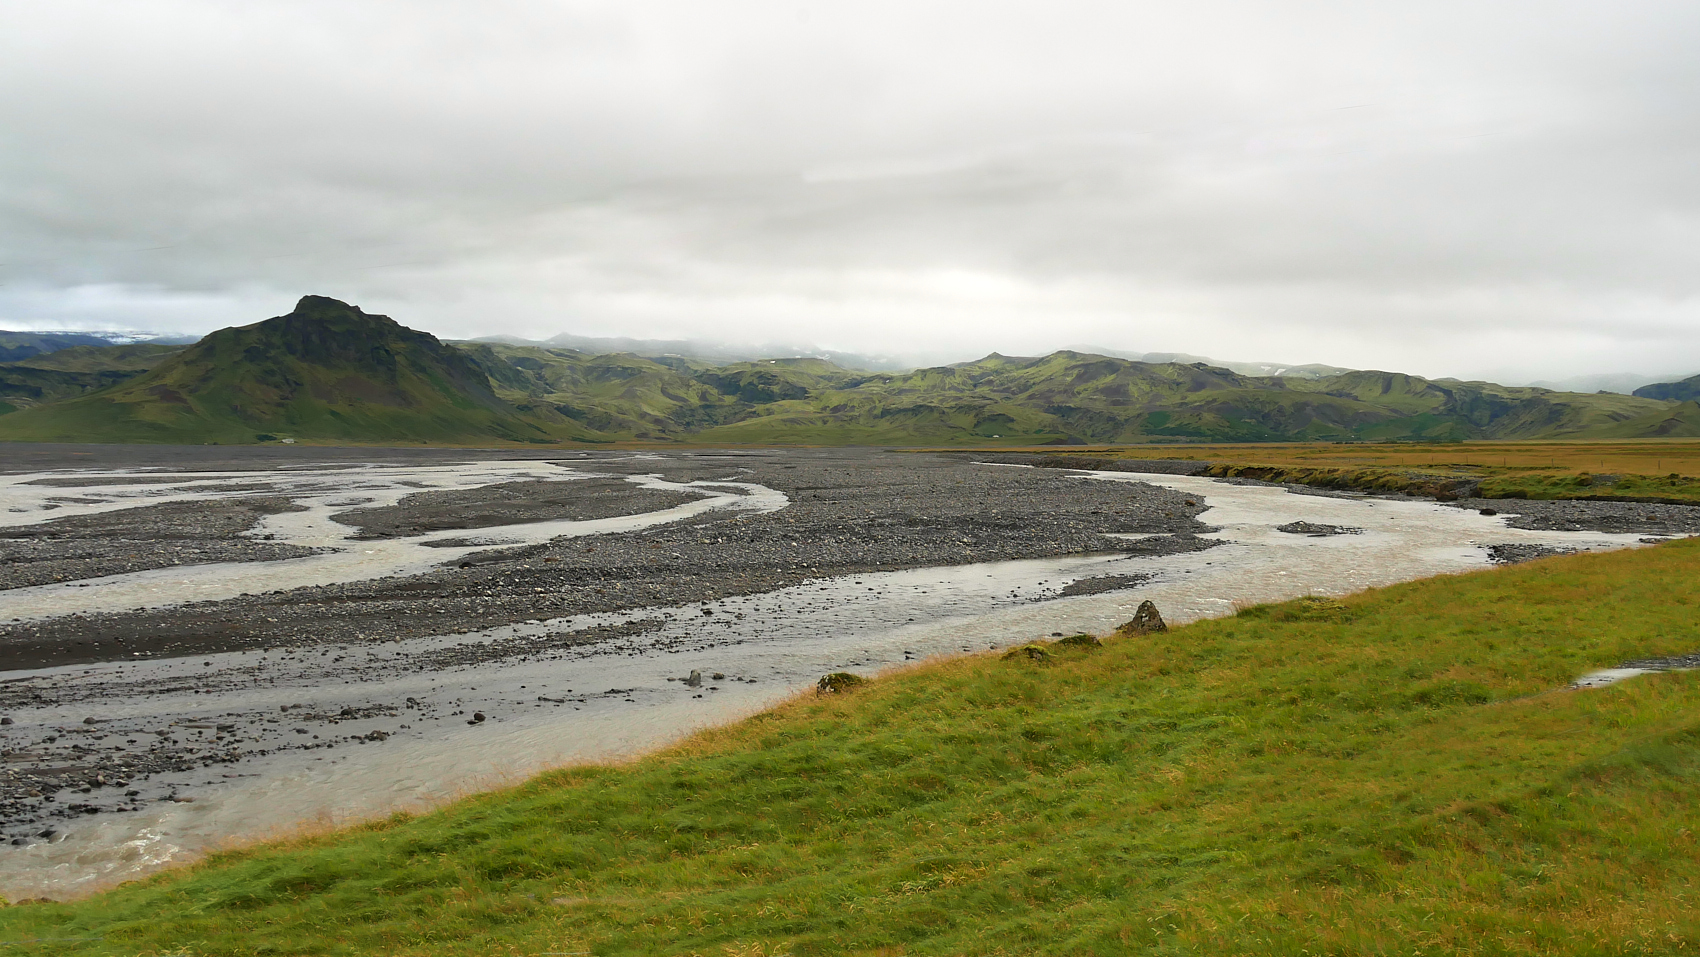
[626,694]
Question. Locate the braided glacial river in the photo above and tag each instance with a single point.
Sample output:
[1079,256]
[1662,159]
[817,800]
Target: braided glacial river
[420,740]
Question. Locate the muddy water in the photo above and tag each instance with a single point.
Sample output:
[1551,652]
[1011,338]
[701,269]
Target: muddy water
[615,698]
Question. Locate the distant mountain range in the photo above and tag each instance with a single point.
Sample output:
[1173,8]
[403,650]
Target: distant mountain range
[1622,382]
[1686,390]
[15,346]
[1311,371]
[328,372]
[716,352]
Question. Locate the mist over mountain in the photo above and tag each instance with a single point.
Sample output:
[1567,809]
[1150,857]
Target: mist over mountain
[1626,383]
[1288,370]
[705,349]
[19,345]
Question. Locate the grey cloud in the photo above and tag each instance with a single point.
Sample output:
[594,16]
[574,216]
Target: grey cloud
[1447,188]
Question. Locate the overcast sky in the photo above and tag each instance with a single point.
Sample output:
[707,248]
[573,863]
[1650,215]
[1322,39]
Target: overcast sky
[1443,188]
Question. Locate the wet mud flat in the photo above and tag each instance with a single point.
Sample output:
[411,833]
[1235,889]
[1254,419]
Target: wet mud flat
[849,511]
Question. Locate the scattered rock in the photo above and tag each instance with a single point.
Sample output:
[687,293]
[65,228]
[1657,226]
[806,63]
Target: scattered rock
[694,680]
[1146,620]
[1104,583]
[1315,530]
[1512,554]
[1081,640]
[838,682]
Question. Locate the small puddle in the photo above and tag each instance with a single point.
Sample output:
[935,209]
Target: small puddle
[1611,676]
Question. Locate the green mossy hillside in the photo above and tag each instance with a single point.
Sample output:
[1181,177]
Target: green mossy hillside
[325,372]
[75,370]
[134,358]
[1063,398]
[330,373]
[1398,772]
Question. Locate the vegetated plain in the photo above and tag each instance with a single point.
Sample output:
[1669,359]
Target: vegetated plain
[1651,469]
[1403,771]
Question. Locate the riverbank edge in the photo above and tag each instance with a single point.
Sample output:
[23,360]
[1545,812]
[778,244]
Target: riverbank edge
[1375,481]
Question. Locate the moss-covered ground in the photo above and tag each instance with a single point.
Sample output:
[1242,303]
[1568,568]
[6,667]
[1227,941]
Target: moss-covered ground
[1400,772]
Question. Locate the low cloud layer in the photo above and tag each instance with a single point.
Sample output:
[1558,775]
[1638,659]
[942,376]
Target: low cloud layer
[1499,189]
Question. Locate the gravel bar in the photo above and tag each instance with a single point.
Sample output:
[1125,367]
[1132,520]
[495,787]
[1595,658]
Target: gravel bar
[851,511]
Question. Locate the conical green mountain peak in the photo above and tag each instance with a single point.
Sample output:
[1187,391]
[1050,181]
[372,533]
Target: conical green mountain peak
[326,371]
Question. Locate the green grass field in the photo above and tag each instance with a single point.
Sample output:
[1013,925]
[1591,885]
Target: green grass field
[1400,772]
[1666,470]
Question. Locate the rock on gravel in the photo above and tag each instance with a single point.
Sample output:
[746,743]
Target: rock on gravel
[1317,530]
[1513,553]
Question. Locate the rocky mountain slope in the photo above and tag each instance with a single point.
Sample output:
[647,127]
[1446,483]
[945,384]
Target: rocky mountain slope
[326,371]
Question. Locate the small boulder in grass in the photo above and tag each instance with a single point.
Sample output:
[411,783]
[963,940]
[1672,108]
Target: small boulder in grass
[1146,620]
[1081,640]
[1030,652]
[838,682]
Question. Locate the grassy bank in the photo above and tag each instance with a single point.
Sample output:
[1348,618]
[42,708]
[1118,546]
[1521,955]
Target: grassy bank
[1392,773]
[1667,471]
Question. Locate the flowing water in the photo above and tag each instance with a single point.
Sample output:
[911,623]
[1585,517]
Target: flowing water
[623,696]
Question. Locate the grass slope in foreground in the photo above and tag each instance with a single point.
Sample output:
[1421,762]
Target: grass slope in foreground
[1393,773]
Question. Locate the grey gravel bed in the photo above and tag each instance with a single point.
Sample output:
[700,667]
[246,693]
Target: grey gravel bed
[61,773]
[509,503]
[1514,553]
[137,539]
[851,511]
[1317,530]
[1102,584]
[1644,518]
